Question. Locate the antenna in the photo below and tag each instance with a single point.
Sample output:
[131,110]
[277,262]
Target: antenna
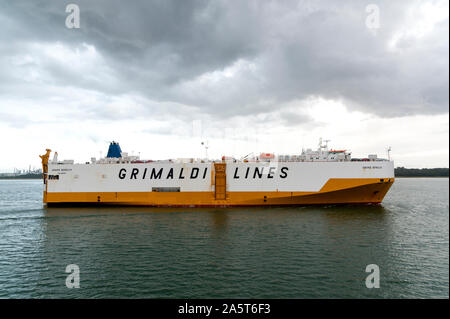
[389,153]
[206,148]
[326,143]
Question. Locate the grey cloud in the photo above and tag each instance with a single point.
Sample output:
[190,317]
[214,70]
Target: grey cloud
[290,50]
[14,120]
[292,118]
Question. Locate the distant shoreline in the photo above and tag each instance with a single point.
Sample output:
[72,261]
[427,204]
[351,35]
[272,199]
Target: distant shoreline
[421,177]
[421,172]
[24,176]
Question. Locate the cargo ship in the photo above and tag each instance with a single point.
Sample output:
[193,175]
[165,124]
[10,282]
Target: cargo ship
[322,176]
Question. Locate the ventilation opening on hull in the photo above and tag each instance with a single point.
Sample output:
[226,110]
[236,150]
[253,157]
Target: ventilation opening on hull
[165,189]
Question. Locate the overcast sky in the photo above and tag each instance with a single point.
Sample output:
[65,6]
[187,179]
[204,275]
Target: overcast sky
[248,76]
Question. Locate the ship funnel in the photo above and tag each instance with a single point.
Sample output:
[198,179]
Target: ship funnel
[114,150]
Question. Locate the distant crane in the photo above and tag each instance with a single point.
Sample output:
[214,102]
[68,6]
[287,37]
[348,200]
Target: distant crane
[246,156]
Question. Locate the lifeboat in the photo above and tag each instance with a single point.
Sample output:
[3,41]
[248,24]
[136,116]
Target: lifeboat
[267,156]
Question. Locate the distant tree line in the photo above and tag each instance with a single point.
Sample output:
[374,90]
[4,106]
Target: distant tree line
[421,172]
[22,176]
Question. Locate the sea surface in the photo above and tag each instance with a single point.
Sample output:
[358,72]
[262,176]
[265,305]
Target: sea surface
[301,252]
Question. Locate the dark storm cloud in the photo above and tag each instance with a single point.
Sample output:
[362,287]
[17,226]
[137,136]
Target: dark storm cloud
[229,58]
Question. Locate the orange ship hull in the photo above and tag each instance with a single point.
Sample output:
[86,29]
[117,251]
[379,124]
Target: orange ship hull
[335,191]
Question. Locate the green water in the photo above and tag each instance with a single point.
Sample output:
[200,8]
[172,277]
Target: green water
[302,252]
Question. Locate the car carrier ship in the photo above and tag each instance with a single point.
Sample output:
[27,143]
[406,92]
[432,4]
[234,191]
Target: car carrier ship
[314,177]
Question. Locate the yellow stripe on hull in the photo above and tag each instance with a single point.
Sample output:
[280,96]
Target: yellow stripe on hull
[335,191]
